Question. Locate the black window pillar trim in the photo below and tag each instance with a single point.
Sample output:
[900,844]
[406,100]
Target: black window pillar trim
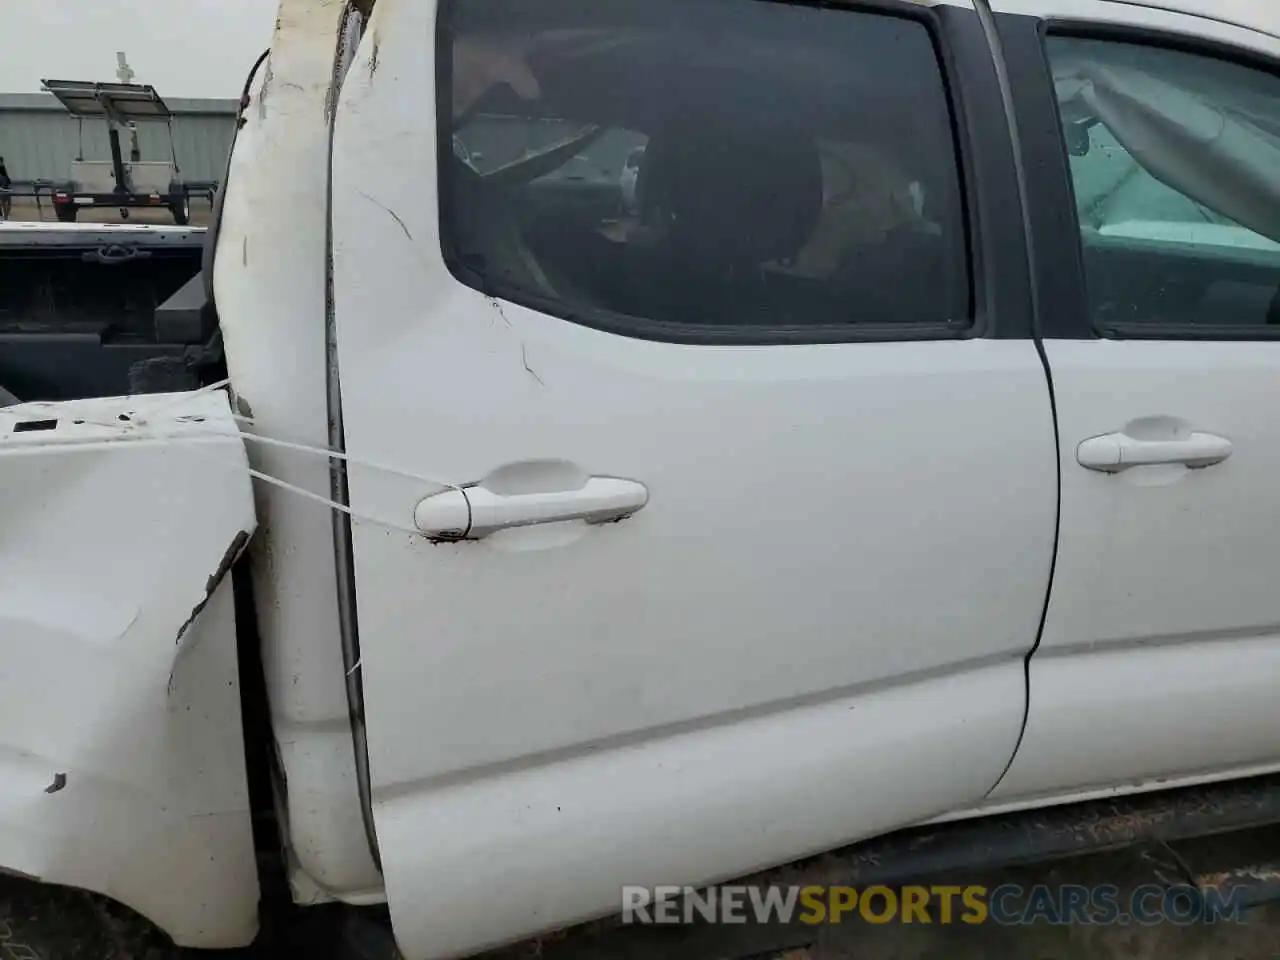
[1062,308]
[999,258]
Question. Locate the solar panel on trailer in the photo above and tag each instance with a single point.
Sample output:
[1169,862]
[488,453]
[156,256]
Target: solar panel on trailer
[124,101]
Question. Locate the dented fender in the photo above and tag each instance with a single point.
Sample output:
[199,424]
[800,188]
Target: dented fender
[122,766]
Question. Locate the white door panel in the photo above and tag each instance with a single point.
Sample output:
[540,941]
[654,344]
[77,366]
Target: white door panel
[558,838]
[835,555]
[1164,619]
[785,553]
[1166,553]
[792,569]
[1176,712]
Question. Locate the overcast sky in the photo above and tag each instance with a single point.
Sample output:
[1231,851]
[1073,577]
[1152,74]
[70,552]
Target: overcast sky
[185,48]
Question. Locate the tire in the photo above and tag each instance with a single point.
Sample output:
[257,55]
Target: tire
[182,211]
[39,922]
[66,212]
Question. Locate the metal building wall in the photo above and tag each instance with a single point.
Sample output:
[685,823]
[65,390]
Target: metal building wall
[38,139]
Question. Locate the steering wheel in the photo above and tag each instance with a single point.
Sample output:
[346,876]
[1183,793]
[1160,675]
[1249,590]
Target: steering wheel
[499,235]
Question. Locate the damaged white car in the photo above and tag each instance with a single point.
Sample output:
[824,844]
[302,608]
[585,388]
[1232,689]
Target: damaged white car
[422,562]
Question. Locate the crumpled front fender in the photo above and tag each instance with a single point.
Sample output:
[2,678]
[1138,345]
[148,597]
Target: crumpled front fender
[122,764]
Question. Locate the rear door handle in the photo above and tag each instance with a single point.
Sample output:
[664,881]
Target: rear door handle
[1119,451]
[474,512]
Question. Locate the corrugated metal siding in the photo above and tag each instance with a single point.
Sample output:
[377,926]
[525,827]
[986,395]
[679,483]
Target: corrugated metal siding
[38,140]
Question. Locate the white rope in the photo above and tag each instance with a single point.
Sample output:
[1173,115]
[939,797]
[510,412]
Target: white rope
[338,455]
[144,417]
[332,504]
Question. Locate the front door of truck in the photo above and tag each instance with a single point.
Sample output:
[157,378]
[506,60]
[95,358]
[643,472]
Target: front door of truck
[698,524]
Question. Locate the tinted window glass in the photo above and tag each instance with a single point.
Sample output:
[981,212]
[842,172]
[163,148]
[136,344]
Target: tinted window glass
[1175,159]
[798,167]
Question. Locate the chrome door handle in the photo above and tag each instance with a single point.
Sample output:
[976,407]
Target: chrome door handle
[474,512]
[1115,452]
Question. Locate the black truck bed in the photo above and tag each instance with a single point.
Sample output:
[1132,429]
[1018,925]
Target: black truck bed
[102,310]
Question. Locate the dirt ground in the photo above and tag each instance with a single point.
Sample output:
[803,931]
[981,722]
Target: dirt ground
[27,210]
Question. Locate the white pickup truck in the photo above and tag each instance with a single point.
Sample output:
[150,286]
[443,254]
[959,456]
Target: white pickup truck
[905,456]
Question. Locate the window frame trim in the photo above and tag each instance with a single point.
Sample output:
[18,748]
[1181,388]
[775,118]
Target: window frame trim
[981,142]
[1071,318]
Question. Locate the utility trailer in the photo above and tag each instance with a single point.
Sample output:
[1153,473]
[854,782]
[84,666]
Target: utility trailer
[119,183]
